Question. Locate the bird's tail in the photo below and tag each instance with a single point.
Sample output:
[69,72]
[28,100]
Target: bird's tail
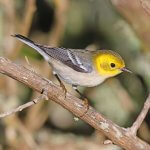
[32,44]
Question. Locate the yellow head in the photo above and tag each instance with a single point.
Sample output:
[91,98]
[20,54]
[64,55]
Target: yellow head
[109,63]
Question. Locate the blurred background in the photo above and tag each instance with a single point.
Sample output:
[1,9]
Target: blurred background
[122,26]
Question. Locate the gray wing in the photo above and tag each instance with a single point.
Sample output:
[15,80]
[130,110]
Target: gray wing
[78,61]
[73,58]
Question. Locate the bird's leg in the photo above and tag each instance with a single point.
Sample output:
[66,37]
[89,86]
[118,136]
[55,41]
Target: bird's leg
[85,100]
[61,84]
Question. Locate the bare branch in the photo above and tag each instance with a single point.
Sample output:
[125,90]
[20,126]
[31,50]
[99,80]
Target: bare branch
[21,107]
[136,125]
[115,133]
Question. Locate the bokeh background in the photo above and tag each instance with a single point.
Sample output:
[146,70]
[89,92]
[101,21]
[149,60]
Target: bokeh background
[119,25]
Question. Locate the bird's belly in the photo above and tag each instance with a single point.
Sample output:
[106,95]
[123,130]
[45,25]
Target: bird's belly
[77,78]
[80,80]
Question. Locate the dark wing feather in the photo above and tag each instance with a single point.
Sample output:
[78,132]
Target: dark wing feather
[73,58]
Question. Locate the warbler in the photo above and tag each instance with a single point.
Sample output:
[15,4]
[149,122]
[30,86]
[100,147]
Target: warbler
[79,67]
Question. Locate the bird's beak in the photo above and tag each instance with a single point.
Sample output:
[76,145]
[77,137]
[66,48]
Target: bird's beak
[125,70]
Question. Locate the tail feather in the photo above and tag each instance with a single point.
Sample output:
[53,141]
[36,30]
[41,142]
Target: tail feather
[31,44]
[23,38]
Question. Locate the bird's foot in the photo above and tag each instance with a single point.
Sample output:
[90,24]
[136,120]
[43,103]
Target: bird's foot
[61,84]
[63,88]
[86,105]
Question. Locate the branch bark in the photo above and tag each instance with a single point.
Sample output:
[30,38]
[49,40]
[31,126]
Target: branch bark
[22,107]
[136,125]
[118,135]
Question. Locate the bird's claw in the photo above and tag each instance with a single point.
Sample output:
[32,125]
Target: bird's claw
[63,88]
[86,105]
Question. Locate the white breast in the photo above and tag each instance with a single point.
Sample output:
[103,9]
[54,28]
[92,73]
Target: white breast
[77,78]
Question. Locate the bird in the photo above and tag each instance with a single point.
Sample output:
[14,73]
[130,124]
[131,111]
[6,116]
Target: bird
[79,67]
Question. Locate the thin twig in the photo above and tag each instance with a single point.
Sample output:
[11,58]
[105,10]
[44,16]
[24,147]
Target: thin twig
[21,107]
[136,125]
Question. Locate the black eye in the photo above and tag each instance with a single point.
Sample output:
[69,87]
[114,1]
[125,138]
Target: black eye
[112,65]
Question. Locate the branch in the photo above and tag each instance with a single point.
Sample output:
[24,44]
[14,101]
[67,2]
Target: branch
[26,105]
[118,135]
[136,125]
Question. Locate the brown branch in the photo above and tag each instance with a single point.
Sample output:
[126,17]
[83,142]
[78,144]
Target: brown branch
[136,125]
[118,135]
[21,107]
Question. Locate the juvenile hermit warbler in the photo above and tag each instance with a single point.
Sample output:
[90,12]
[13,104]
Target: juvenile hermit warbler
[78,66]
